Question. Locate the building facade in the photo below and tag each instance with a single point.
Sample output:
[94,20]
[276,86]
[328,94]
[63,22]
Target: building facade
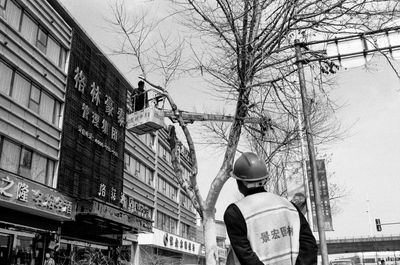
[152,190]
[73,182]
[34,46]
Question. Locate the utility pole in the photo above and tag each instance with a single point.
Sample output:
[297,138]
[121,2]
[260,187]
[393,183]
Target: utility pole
[311,154]
[303,164]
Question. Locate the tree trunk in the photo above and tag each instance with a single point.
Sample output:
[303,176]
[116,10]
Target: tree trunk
[210,237]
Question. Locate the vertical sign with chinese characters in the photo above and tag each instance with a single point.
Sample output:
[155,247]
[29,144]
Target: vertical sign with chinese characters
[324,191]
[91,163]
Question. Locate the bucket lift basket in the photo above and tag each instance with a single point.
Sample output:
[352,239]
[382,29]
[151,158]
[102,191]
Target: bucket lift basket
[145,121]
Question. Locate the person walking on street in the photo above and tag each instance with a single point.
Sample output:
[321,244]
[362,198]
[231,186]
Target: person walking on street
[49,260]
[263,227]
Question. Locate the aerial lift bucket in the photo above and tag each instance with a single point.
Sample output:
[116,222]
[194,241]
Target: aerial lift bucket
[145,121]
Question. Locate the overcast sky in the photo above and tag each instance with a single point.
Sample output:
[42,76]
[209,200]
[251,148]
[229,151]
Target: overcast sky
[367,162]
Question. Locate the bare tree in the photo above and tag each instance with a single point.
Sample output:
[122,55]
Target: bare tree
[245,47]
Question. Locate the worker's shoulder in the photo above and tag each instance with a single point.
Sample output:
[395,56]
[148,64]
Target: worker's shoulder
[264,200]
[231,211]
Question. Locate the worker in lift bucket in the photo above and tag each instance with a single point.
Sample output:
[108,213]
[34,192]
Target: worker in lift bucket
[139,97]
[263,227]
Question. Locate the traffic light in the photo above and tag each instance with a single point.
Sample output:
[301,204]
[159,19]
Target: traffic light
[378,225]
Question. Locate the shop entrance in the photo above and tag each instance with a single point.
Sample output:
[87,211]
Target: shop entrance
[21,248]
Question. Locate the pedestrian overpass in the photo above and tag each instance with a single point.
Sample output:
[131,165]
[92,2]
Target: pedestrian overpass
[363,244]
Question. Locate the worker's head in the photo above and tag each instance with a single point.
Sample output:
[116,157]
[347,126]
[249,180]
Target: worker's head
[141,85]
[250,172]
[300,200]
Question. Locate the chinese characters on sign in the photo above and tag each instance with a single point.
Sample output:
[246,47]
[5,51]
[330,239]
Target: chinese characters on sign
[138,208]
[113,213]
[282,232]
[17,190]
[178,243]
[323,187]
[102,123]
[103,191]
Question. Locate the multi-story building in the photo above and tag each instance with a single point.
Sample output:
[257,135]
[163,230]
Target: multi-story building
[72,181]
[62,135]
[34,46]
[152,190]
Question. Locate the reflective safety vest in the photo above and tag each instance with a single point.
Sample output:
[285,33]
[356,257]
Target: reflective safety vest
[273,227]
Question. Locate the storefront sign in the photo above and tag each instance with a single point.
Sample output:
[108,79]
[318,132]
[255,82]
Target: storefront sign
[30,195]
[92,146]
[138,208]
[169,241]
[115,214]
[101,122]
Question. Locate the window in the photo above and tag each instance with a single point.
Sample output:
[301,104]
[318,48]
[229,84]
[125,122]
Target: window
[53,50]
[172,225]
[149,176]
[164,153]
[185,230]
[6,77]
[33,33]
[39,168]
[139,170]
[186,202]
[142,173]
[164,187]
[63,58]
[10,155]
[21,90]
[127,162]
[172,193]
[167,189]
[57,113]
[31,96]
[50,172]
[41,41]
[25,164]
[13,14]
[34,99]
[166,223]
[46,107]
[29,29]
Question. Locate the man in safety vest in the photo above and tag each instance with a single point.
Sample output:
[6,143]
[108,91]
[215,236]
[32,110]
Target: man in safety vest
[265,228]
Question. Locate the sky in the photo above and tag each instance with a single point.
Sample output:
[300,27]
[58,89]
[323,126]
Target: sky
[366,162]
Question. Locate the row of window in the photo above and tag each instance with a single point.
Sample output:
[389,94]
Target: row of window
[166,223]
[25,162]
[185,172]
[148,139]
[185,231]
[164,153]
[167,189]
[33,32]
[169,224]
[28,94]
[185,202]
[146,175]
[139,170]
